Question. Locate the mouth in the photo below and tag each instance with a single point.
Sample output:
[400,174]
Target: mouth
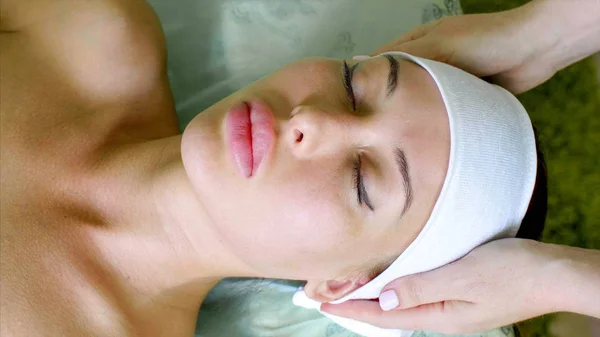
[249,135]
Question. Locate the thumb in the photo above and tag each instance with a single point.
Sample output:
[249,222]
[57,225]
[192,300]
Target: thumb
[424,317]
[420,289]
[419,301]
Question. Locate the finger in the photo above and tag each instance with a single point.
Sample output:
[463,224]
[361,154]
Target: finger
[420,318]
[420,48]
[424,288]
[415,34]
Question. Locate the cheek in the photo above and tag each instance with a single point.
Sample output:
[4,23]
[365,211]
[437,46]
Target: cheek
[311,219]
[292,228]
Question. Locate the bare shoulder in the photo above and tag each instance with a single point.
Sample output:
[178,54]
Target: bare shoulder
[70,60]
[76,74]
[99,46]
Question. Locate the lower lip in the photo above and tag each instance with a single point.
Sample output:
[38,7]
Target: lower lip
[249,135]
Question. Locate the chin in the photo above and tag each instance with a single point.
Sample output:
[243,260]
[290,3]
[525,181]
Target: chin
[203,155]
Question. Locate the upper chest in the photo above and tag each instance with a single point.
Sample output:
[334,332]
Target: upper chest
[58,281]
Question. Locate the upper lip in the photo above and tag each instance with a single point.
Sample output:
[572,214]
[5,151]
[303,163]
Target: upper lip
[263,134]
[251,135]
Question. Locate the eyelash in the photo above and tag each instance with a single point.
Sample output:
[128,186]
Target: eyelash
[361,193]
[357,178]
[348,85]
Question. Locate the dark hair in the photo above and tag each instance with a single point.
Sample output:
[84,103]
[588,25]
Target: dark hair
[534,221]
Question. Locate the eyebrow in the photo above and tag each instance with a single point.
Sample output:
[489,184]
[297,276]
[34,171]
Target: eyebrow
[404,171]
[393,74]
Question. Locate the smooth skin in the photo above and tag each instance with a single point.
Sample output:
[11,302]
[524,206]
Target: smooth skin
[510,280]
[115,224]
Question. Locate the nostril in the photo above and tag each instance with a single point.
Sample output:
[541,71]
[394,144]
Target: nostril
[299,136]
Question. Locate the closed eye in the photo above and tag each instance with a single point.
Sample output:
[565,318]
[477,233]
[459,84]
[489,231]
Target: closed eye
[359,185]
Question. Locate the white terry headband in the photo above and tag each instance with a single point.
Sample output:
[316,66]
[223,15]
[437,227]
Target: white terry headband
[486,193]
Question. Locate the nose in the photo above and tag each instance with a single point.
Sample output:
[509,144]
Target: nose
[313,132]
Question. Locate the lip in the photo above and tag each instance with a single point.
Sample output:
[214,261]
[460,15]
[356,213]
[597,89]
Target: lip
[249,135]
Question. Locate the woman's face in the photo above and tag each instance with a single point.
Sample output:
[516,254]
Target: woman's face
[356,162]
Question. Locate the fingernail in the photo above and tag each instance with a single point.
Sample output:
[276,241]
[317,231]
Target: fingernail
[361,57]
[388,300]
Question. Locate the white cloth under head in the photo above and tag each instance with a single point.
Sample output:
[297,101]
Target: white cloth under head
[486,193]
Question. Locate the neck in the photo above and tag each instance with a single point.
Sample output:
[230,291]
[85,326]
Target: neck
[157,235]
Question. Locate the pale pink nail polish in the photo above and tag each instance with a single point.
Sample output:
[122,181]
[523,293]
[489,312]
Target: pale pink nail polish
[388,300]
